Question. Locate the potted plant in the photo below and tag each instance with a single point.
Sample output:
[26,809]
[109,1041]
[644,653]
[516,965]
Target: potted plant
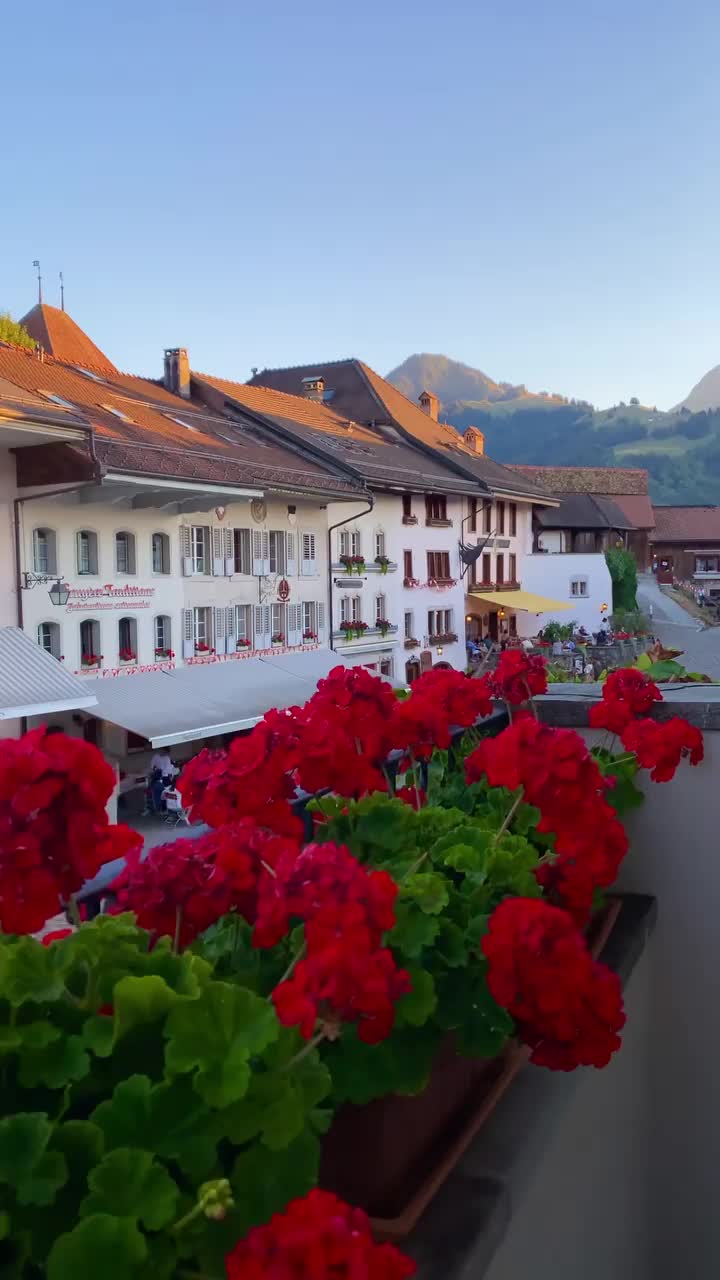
[411,642]
[349,627]
[242,642]
[383,562]
[359,628]
[411,583]
[383,626]
[127,655]
[91,660]
[358,564]
[309,635]
[278,637]
[201,646]
[347,562]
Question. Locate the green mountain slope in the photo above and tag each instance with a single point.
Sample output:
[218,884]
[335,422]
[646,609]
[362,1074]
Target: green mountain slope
[680,450]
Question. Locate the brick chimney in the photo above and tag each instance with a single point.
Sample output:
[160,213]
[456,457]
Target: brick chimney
[177,371]
[474,440]
[429,404]
[313,388]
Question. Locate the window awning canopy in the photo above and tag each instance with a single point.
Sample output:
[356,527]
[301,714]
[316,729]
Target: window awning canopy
[523,600]
[206,701]
[33,683]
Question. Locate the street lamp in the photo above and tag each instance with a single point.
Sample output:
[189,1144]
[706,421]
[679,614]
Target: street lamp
[59,593]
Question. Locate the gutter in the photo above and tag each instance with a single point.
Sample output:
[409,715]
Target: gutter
[331,529]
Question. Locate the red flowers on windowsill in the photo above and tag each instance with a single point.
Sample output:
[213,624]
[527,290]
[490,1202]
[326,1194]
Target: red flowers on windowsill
[127,655]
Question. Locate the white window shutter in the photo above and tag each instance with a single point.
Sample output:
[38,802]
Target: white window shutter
[266,550]
[320,614]
[257,553]
[229,552]
[188,642]
[263,624]
[186,550]
[294,624]
[290,543]
[219,628]
[218,557]
[309,562]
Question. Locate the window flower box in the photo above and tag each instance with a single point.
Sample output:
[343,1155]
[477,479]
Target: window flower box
[435,522]
[383,626]
[278,637]
[447,637]
[411,643]
[202,646]
[409,519]
[442,584]
[309,635]
[383,563]
[164,653]
[242,643]
[411,583]
[127,655]
[91,660]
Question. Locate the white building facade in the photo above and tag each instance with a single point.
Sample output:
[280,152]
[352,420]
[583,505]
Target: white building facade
[579,580]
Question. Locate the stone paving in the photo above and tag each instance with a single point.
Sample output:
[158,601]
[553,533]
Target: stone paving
[679,630]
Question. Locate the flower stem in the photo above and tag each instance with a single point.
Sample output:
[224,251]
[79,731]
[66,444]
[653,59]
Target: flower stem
[195,1212]
[418,798]
[293,962]
[411,870]
[73,912]
[266,867]
[178,929]
[306,1049]
[510,814]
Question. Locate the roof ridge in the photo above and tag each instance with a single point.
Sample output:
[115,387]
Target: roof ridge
[271,391]
[563,466]
[287,368]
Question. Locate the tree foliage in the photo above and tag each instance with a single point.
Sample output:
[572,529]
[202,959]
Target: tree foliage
[12,331]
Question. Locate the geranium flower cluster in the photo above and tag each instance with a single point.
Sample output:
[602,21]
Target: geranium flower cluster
[54,829]
[567,1007]
[339,740]
[344,973]
[559,776]
[318,1237]
[627,698]
[182,888]
[518,677]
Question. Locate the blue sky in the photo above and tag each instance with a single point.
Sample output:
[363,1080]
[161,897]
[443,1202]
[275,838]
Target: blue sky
[530,187]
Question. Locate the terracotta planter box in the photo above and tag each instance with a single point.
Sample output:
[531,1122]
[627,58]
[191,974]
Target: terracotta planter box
[392,1156]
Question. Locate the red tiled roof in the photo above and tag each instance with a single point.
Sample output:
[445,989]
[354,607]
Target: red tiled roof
[638,509]
[354,389]
[687,524]
[196,442]
[63,339]
[611,481]
[377,459]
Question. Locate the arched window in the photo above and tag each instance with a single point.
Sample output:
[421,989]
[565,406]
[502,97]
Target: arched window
[48,636]
[86,551]
[124,552]
[90,655]
[127,639]
[160,553]
[44,551]
[163,634]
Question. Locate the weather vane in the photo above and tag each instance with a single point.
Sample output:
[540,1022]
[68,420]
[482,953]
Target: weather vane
[62,292]
[36,263]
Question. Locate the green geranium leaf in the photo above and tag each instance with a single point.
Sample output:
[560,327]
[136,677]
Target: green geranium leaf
[81,1143]
[400,1064]
[101,1245]
[10,1040]
[465,849]
[264,1181]
[169,1119]
[61,1061]
[38,1035]
[25,1163]
[428,889]
[216,1036]
[98,1035]
[413,929]
[415,1008]
[130,1184]
[450,945]
[466,1006]
[525,819]
[33,973]
[140,1000]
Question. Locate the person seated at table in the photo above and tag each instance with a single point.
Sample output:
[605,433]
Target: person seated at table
[162,774]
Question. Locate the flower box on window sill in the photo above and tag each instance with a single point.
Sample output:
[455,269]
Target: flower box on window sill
[410,583]
[352,630]
[447,637]
[508,586]
[202,647]
[309,635]
[353,564]
[482,586]
[383,626]
[409,519]
[278,637]
[127,655]
[434,522]
[442,583]
[162,654]
[242,644]
[410,643]
[89,660]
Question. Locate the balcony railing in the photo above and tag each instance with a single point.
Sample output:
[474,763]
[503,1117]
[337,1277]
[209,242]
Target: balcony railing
[351,633]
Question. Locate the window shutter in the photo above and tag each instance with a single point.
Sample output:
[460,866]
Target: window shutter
[218,557]
[131,553]
[291,556]
[229,550]
[320,613]
[263,621]
[188,642]
[219,628]
[185,550]
[309,563]
[261,552]
[230,645]
[294,624]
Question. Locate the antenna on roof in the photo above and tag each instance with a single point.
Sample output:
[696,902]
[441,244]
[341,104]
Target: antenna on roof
[62,292]
[36,263]
[254,371]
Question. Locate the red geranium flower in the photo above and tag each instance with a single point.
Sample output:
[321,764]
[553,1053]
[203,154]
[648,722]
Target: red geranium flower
[626,694]
[518,676]
[568,1008]
[319,1238]
[661,747]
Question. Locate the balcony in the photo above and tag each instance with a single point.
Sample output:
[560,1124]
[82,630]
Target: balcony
[349,634]
[379,565]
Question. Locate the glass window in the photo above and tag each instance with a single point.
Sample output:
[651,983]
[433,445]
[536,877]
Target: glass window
[500,509]
[199,548]
[380,609]
[438,565]
[44,553]
[49,638]
[309,620]
[499,569]
[408,624]
[486,568]
[435,506]
[578,587]
[124,552]
[160,553]
[127,640]
[90,642]
[487,515]
[163,638]
[512,566]
[243,556]
[408,564]
[201,629]
[512,515]
[87,559]
[243,624]
[279,630]
[380,543]
[407,506]
[278,561]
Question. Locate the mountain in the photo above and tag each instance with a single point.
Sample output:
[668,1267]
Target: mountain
[680,449]
[452,381]
[705,394]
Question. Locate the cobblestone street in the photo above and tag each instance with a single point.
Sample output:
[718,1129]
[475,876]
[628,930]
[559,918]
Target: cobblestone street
[677,629]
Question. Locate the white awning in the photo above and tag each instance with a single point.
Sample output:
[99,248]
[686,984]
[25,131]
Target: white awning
[33,683]
[205,701]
